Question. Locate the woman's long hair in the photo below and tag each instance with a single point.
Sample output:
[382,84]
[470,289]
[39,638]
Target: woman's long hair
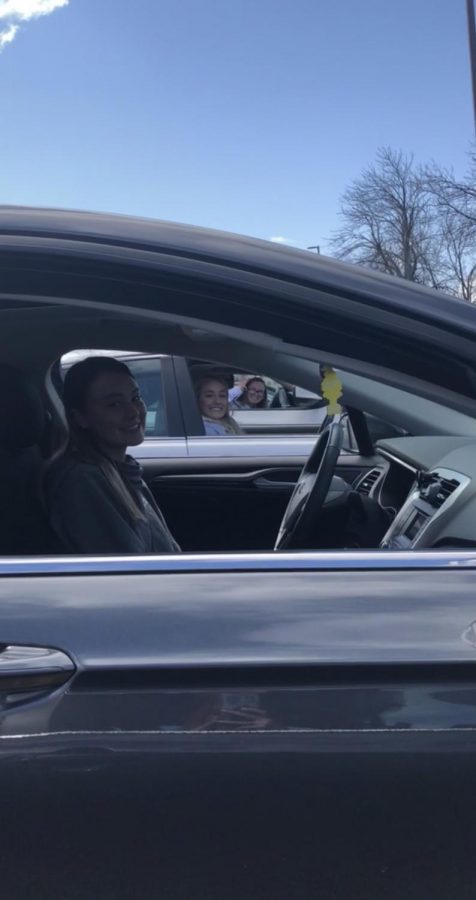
[227,420]
[81,445]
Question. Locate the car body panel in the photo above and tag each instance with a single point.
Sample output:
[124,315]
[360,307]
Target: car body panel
[198,725]
[221,593]
[235,815]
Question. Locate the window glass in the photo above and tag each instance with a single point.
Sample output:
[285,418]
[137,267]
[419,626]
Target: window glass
[249,392]
[257,404]
[148,374]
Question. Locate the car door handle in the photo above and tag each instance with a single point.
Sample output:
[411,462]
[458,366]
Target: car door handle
[268,484]
[33,668]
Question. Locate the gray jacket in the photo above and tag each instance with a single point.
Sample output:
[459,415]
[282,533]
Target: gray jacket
[89,518]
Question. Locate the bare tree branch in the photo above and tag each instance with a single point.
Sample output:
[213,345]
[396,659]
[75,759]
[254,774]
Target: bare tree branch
[418,224]
[386,220]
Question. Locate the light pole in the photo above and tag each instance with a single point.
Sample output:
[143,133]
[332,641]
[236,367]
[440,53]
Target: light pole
[315,247]
[472,50]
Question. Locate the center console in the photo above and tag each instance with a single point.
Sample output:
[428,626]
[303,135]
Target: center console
[433,493]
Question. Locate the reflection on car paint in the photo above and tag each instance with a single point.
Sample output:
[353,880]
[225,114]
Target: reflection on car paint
[307,710]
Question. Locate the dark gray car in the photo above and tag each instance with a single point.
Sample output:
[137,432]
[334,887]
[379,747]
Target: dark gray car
[242,721]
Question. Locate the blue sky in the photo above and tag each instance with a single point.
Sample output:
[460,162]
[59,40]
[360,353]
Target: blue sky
[247,115]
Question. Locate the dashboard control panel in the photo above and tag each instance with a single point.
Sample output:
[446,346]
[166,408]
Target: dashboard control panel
[431,495]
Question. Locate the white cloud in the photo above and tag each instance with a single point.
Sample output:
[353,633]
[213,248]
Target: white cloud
[14,12]
[28,9]
[6,36]
[282,240]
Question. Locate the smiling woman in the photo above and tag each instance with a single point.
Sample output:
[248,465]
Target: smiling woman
[97,500]
[104,408]
[212,396]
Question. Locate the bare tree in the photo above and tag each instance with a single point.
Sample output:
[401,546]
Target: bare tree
[388,222]
[454,203]
[460,255]
[452,195]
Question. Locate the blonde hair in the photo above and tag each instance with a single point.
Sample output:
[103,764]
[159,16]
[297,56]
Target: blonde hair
[227,420]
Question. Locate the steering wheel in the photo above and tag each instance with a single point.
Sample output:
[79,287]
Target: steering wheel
[311,489]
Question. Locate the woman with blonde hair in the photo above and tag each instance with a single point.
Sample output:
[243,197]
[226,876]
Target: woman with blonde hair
[97,500]
[212,396]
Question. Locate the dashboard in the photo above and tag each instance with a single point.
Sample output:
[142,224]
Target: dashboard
[429,486]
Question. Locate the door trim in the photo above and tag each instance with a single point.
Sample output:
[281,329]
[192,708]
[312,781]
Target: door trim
[238,562]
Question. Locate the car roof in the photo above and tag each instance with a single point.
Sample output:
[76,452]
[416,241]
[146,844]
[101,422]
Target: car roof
[199,284]
[104,229]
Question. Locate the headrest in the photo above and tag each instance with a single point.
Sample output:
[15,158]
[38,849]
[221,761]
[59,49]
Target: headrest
[22,417]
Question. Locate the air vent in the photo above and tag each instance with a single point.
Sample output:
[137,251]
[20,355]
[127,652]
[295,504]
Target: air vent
[445,489]
[436,489]
[366,484]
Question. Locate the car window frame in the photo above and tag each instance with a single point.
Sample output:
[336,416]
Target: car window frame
[171,398]
[55,278]
[245,561]
[193,422]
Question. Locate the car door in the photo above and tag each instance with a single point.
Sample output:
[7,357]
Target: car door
[270,726]
[223,500]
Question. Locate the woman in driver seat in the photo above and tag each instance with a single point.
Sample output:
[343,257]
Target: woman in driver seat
[97,500]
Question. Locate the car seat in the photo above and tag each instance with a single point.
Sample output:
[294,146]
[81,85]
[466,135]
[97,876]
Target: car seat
[24,528]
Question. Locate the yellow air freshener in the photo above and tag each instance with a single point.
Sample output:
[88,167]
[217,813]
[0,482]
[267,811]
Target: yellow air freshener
[331,390]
